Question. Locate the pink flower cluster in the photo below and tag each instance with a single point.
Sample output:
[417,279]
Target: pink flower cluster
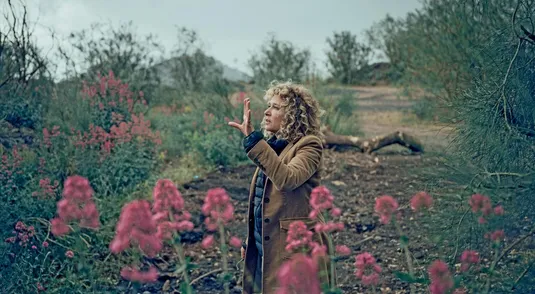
[385,206]
[48,135]
[483,204]
[299,237]
[77,205]
[136,226]
[168,209]
[441,278]
[367,269]
[322,200]
[218,208]
[421,200]
[48,190]
[111,92]
[469,258]
[299,275]
[120,133]
[135,274]
[147,228]
[22,233]
[496,236]
[9,167]
[219,211]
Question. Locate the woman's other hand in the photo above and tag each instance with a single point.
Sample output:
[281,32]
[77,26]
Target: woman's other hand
[246,127]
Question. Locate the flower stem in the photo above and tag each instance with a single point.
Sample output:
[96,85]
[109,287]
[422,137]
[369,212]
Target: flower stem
[373,289]
[332,263]
[491,269]
[407,256]
[181,257]
[224,256]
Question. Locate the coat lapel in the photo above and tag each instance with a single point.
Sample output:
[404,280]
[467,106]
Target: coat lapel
[285,150]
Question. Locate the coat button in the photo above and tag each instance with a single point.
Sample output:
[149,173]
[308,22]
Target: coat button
[266,220]
[266,238]
[266,200]
[250,220]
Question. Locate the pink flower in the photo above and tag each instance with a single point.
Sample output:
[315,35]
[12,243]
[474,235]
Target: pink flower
[336,212]
[235,242]
[166,196]
[299,275]
[481,203]
[207,242]
[318,250]
[496,236]
[498,210]
[58,227]
[421,200]
[40,287]
[168,207]
[45,244]
[135,275]
[69,254]
[34,247]
[329,227]
[367,269]
[441,278]
[343,250]
[385,206]
[217,208]
[77,205]
[468,258]
[298,236]
[320,199]
[136,226]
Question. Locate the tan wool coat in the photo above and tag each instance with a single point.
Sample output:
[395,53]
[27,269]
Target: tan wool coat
[291,176]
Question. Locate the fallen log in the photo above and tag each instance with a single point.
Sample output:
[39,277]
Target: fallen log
[369,145]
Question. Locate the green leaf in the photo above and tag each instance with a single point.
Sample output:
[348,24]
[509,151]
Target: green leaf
[406,277]
[404,240]
[184,288]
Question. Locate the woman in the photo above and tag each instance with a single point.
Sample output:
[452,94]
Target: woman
[288,165]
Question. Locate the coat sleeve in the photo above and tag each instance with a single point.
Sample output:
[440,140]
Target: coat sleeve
[287,177]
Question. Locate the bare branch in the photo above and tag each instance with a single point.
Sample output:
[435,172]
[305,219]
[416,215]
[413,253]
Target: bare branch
[531,36]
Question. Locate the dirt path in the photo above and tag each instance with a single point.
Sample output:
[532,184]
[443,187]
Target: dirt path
[355,180]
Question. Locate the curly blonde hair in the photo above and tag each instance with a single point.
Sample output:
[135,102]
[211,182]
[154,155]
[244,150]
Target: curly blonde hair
[301,111]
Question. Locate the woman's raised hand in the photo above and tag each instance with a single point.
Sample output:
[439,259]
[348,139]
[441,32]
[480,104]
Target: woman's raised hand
[246,127]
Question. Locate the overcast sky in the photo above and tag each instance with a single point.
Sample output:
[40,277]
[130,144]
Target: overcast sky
[231,29]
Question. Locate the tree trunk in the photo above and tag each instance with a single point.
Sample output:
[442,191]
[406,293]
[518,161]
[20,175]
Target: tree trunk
[332,140]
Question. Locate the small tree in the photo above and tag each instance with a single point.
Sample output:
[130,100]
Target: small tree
[346,57]
[104,48]
[189,69]
[280,60]
[24,77]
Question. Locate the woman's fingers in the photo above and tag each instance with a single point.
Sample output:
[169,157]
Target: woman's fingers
[246,124]
[235,125]
[246,103]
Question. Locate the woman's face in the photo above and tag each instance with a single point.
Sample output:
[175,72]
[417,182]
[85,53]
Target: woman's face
[274,114]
